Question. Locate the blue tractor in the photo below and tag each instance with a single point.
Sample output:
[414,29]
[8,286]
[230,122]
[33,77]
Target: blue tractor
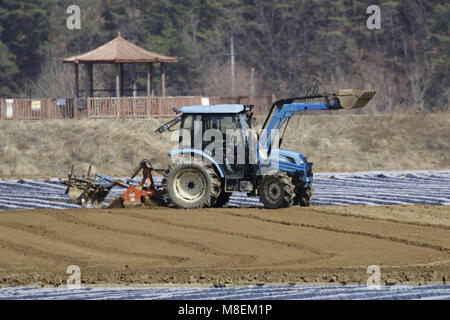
[220,153]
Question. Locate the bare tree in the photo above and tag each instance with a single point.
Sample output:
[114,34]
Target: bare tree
[55,80]
[217,81]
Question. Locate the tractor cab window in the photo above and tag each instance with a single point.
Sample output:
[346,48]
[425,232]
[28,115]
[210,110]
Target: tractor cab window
[186,139]
[220,122]
[226,124]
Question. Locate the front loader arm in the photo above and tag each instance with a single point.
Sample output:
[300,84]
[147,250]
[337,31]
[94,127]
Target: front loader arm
[283,113]
[282,110]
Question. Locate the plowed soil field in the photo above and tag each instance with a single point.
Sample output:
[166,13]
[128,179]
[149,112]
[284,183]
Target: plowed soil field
[226,245]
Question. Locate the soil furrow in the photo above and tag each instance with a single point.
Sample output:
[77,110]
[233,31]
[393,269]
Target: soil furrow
[173,241]
[90,246]
[418,224]
[345,231]
[234,234]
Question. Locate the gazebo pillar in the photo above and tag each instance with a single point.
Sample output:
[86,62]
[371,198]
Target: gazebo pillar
[91,80]
[163,80]
[86,83]
[117,80]
[77,81]
[149,79]
[122,92]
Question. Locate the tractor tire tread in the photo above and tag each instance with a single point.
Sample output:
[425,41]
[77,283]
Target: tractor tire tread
[288,188]
[213,178]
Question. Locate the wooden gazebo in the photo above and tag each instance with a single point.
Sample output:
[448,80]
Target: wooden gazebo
[118,52]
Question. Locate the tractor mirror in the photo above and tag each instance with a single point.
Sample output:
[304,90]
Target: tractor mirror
[352,98]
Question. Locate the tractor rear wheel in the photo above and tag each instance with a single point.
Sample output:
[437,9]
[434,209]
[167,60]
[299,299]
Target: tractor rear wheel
[191,185]
[276,191]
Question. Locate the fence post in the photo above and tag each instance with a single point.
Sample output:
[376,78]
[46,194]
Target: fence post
[15,109]
[88,107]
[75,108]
[49,108]
[123,107]
[160,106]
[2,106]
[118,106]
[147,107]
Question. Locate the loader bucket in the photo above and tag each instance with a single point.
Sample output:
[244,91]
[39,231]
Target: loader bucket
[352,99]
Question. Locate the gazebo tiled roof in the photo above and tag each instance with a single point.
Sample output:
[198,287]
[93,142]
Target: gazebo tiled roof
[119,50]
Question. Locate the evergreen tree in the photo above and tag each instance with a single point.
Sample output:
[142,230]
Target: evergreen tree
[8,70]
[25,32]
[292,44]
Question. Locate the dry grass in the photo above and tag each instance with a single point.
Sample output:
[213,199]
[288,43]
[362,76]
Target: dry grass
[372,142]
[47,148]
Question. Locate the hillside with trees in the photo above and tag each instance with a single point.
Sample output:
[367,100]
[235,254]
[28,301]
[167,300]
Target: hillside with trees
[292,45]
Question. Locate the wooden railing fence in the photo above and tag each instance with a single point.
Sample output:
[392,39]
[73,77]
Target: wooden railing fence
[125,107]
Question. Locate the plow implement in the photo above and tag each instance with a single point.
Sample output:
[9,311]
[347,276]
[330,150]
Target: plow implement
[89,191]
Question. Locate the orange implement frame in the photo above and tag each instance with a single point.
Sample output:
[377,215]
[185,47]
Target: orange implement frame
[133,196]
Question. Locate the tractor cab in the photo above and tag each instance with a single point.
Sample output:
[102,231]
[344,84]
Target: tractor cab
[218,132]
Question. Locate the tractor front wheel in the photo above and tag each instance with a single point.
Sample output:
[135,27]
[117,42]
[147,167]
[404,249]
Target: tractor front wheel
[276,191]
[303,196]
